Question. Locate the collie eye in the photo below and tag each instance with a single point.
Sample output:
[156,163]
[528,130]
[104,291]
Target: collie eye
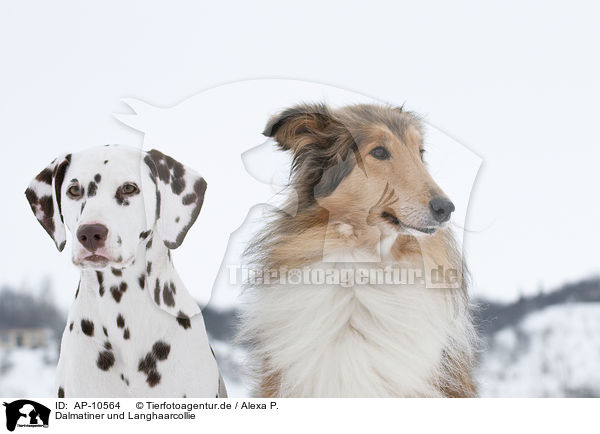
[129,189]
[381,153]
[75,191]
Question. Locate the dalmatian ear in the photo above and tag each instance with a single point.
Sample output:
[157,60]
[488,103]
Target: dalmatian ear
[179,197]
[44,198]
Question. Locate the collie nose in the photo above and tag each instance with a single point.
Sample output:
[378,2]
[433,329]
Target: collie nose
[441,208]
[92,237]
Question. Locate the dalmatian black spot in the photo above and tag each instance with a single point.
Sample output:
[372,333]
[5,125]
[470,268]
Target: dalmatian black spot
[100,278]
[31,198]
[163,171]
[77,292]
[126,334]
[97,177]
[116,271]
[177,185]
[169,170]
[189,198]
[59,177]
[114,290]
[142,280]
[121,200]
[153,378]
[105,161]
[45,176]
[158,199]
[105,331]
[161,350]
[71,326]
[168,296]
[178,169]
[183,320]
[119,241]
[149,244]
[157,293]
[120,321]
[124,379]
[117,292]
[87,327]
[61,392]
[82,207]
[92,189]
[48,210]
[147,365]
[144,234]
[149,268]
[106,359]
[107,346]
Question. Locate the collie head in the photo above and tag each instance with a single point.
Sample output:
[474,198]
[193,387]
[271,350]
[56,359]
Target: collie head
[359,177]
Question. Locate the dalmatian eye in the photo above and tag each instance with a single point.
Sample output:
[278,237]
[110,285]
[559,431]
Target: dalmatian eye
[75,191]
[129,189]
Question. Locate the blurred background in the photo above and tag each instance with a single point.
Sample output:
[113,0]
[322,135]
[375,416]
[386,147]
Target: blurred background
[516,84]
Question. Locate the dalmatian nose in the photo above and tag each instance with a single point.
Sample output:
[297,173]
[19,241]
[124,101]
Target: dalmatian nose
[92,237]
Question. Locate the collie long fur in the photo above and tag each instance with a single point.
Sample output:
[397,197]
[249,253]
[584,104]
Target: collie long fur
[364,201]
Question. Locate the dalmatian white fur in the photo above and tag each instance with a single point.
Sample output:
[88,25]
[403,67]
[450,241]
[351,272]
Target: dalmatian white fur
[133,329]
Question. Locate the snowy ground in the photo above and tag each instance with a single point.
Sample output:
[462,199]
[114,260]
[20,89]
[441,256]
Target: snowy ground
[553,352]
[28,373]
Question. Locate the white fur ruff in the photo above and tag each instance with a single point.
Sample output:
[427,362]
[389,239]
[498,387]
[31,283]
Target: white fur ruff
[358,341]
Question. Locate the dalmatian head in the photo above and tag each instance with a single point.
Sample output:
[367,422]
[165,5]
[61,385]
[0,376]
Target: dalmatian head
[112,199]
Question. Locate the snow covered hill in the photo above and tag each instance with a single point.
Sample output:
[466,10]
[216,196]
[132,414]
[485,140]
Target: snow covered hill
[554,352]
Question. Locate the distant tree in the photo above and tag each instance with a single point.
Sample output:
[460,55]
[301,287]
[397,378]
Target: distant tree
[22,309]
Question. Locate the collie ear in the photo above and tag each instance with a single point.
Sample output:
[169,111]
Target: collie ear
[179,197]
[299,126]
[43,195]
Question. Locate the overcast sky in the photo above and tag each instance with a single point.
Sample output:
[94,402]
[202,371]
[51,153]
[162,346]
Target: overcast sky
[517,84]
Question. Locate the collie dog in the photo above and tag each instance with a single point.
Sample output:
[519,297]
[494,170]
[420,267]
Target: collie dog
[363,201]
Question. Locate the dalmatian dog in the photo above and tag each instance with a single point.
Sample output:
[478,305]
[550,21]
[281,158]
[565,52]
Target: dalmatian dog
[133,329]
